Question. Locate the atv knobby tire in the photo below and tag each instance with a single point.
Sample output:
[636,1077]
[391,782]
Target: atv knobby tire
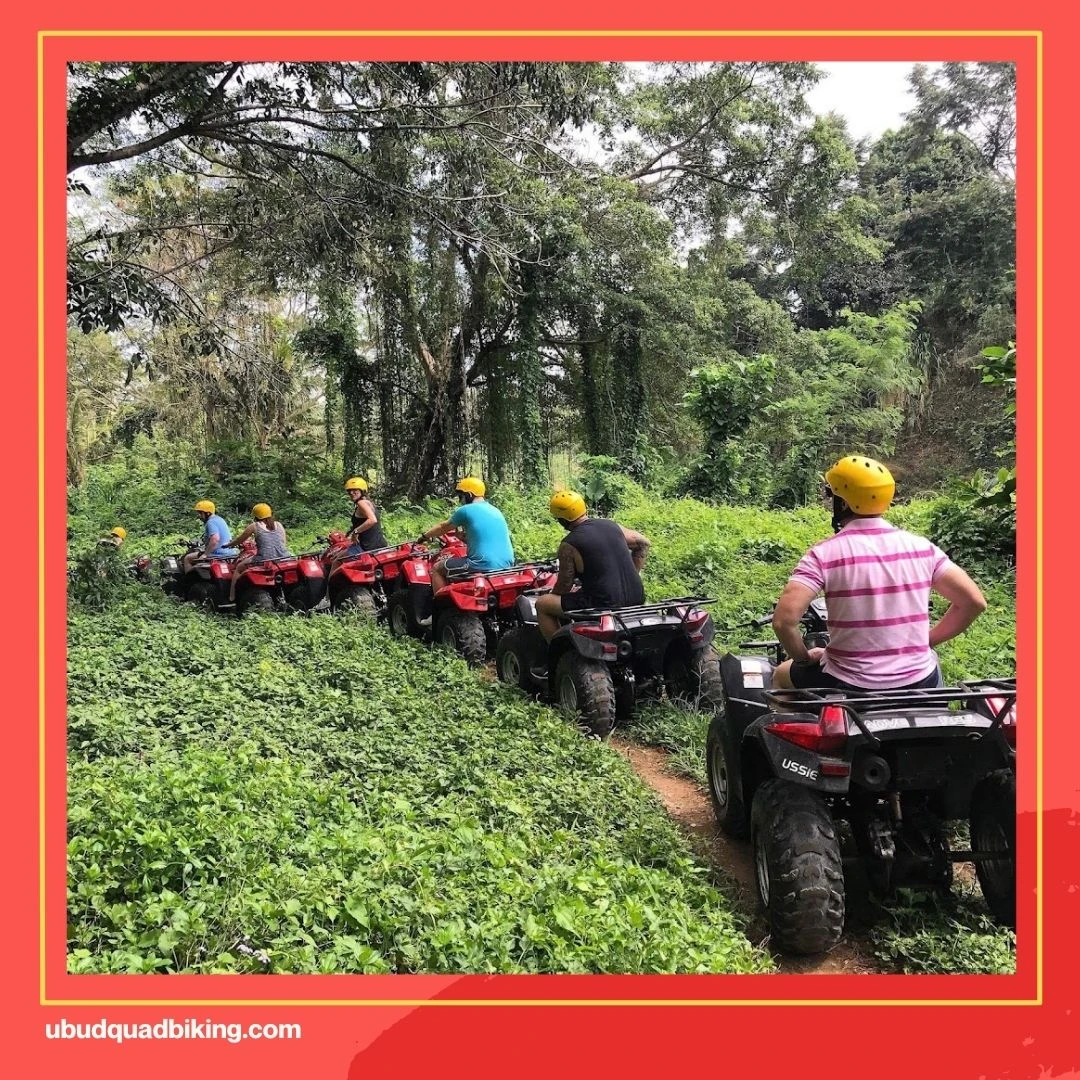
[201,594]
[253,599]
[722,766]
[358,598]
[400,617]
[798,872]
[693,677]
[993,828]
[512,656]
[584,691]
[463,634]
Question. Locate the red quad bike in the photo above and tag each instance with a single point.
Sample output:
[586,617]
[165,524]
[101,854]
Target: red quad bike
[139,569]
[471,612]
[408,603]
[206,584]
[364,581]
[296,582]
[600,663]
[788,767]
[470,615]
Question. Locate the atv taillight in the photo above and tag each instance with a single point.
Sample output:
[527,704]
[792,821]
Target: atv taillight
[695,620]
[480,586]
[1008,721]
[604,630]
[826,736]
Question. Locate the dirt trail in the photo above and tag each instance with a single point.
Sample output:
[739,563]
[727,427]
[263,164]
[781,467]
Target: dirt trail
[685,801]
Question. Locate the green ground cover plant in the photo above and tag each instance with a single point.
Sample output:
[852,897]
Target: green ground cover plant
[309,795]
[319,763]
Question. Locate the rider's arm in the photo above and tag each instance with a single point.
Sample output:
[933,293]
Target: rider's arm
[790,608]
[639,547]
[247,534]
[568,569]
[437,530]
[369,522]
[966,604]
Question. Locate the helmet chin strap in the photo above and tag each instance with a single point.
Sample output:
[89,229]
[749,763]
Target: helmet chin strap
[841,513]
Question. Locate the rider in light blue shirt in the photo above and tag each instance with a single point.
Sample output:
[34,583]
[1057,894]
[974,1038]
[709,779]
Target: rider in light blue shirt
[487,537]
[215,537]
[216,527]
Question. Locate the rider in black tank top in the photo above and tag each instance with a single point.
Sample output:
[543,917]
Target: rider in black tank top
[372,538]
[604,556]
[608,576]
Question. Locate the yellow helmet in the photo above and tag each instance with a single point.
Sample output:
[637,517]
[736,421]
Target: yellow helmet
[567,505]
[119,531]
[261,510]
[205,505]
[864,484]
[471,485]
[356,483]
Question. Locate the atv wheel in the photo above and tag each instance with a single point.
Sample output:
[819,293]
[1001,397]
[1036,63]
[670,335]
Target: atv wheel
[201,594]
[463,634]
[297,598]
[358,598]
[400,617]
[800,879]
[993,828]
[512,658]
[584,691]
[252,599]
[721,763]
[693,677]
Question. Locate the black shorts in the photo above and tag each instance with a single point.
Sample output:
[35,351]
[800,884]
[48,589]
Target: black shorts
[808,675]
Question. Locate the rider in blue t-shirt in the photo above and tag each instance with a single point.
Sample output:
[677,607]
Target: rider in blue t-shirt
[215,538]
[487,538]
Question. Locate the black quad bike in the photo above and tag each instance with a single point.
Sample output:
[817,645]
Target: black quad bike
[600,663]
[788,766]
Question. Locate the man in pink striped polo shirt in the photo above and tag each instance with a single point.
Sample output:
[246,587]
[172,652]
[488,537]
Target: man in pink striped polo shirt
[877,581]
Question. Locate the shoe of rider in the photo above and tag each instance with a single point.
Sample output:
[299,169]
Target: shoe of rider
[606,557]
[487,537]
[877,581]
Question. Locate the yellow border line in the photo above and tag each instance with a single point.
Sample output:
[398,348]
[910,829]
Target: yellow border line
[44,1000]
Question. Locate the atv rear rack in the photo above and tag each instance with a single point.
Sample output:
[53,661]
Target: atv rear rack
[863,700]
[859,702]
[623,613]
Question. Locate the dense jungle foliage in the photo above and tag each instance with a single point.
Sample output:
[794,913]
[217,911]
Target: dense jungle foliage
[670,285]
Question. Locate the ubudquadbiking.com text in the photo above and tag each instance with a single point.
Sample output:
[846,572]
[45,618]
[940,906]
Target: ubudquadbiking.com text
[114,1031]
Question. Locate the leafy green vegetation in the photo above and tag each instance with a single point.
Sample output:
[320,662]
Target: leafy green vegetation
[269,776]
[309,795]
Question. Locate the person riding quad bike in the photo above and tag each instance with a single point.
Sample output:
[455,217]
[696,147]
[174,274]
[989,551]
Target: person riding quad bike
[856,727]
[116,537]
[365,530]
[270,543]
[606,557]
[877,581]
[487,537]
[216,537]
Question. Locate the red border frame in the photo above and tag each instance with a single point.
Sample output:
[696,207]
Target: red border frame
[324,1040]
